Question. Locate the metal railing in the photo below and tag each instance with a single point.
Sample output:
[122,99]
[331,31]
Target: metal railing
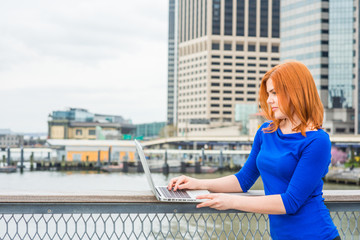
[135,216]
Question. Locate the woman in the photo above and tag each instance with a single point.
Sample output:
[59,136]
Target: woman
[291,153]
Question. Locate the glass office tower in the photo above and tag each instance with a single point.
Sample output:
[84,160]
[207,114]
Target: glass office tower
[323,35]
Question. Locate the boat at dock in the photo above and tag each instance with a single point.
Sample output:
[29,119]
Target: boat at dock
[8,169]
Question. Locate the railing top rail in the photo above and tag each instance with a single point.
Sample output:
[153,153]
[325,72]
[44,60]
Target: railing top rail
[135,196]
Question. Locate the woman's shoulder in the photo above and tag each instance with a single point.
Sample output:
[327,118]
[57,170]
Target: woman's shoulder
[265,125]
[318,138]
[260,132]
[318,134]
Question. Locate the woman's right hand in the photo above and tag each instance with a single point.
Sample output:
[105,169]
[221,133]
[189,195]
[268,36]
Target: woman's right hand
[184,182]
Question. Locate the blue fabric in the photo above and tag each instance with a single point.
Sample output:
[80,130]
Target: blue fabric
[293,166]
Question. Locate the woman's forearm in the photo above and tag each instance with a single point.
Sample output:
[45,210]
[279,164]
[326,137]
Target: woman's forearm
[271,204]
[224,184]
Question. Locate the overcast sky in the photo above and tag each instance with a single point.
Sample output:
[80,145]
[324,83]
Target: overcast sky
[107,56]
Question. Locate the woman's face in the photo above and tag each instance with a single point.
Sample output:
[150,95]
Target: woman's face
[273,101]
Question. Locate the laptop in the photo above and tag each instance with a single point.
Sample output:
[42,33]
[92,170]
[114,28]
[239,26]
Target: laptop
[161,192]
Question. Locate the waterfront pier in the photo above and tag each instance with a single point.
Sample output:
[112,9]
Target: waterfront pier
[344,175]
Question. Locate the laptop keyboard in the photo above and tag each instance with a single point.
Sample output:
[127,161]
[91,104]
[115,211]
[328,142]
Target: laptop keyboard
[173,194]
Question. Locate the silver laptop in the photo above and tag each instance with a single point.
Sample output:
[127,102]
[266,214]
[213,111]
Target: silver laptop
[161,192]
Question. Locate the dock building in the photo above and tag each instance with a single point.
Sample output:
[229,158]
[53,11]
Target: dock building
[77,123]
[10,139]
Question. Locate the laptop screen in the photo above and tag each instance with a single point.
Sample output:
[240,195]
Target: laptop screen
[146,168]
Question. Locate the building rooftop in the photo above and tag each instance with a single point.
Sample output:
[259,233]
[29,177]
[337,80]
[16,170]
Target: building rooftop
[95,143]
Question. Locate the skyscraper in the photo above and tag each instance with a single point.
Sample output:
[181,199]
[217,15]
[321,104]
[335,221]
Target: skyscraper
[172,60]
[224,48]
[324,36]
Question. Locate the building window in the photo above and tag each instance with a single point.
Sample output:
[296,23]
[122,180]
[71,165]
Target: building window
[275,18]
[240,17]
[263,48]
[215,46]
[227,47]
[252,19]
[92,132]
[239,47]
[78,132]
[340,130]
[228,17]
[264,18]
[275,48]
[216,17]
[251,48]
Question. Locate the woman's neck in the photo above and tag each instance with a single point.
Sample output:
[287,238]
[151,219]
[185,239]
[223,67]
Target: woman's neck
[286,126]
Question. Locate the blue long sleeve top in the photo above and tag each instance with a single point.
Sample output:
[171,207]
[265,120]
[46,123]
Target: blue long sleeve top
[293,166]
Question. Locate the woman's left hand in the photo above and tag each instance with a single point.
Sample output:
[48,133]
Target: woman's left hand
[219,201]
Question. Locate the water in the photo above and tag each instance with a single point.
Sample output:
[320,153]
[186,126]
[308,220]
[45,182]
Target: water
[76,181]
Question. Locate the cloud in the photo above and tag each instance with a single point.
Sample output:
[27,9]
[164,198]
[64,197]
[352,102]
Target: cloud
[107,56]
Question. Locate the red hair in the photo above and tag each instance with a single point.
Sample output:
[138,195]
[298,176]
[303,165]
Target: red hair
[297,95]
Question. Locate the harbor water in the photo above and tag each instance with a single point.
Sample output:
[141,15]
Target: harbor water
[85,181]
